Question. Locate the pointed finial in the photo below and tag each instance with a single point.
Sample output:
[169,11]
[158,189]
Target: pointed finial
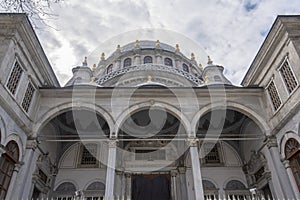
[103,56]
[206,79]
[149,79]
[118,48]
[157,44]
[200,66]
[209,60]
[137,44]
[192,56]
[177,47]
[94,67]
[84,63]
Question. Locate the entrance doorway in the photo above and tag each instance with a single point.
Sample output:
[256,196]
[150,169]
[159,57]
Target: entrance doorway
[151,187]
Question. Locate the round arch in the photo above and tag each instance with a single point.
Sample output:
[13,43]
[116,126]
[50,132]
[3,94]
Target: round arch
[15,138]
[93,181]
[140,106]
[211,180]
[234,179]
[59,109]
[66,181]
[284,139]
[233,106]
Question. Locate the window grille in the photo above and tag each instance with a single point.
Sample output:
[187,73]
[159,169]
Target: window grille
[127,62]
[14,78]
[288,77]
[28,97]
[109,69]
[147,59]
[88,155]
[150,154]
[212,153]
[274,95]
[168,62]
[185,68]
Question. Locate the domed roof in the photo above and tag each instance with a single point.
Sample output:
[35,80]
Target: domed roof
[147,44]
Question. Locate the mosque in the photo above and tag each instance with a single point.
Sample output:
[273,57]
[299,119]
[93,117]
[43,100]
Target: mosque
[148,122]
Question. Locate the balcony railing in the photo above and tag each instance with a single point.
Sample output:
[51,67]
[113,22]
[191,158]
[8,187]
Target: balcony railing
[149,67]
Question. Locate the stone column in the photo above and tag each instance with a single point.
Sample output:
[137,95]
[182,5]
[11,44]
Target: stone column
[196,172]
[24,180]
[128,186]
[287,166]
[158,59]
[137,59]
[13,181]
[110,172]
[283,179]
[174,185]
[182,177]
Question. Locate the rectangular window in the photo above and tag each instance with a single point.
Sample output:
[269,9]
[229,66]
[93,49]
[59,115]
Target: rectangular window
[89,151]
[288,76]
[211,153]
[274,95]
[28,97]
[14,78]
[150,154]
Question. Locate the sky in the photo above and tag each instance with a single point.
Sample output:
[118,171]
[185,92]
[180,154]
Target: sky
[229,31]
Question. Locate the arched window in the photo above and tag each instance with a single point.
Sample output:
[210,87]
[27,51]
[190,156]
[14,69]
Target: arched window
[95,191]
[212,154]
[65,191]
[109,69]
[292,153]
[7,165]
[168,62]
[88,156]
[236,190]
[147,59]
[185,67]
[127,62]
[210,190]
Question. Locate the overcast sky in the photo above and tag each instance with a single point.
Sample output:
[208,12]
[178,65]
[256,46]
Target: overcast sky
[230,31]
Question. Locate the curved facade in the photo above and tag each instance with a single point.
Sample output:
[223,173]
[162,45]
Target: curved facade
[149,122]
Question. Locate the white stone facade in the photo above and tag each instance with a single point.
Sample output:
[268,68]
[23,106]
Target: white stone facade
[149,113]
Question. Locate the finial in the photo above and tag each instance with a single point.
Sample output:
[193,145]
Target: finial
[137,44]
[92,79]
[118,48]
[209,60]
[200,66]
[177,47]
[192,56]
[157,44]
[206,79]
[149,79]
[84,63]
[103,56]
[94,67]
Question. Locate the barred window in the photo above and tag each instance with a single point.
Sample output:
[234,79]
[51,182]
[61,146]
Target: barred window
[28,97]
[288,77]
[212,154]
[274,95]
[14,78]
[109,69]
[147,59]
[168,62]
[88,155]
[127,62]
[185,68]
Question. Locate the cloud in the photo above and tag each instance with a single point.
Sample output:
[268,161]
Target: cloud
[230,31]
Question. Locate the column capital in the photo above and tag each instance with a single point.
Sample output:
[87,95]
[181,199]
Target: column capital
[32,144]
[18,166]
[2,149]
[192,142]
[286,163]
[271,141]
[127,175]
[174,172]
[181,170]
